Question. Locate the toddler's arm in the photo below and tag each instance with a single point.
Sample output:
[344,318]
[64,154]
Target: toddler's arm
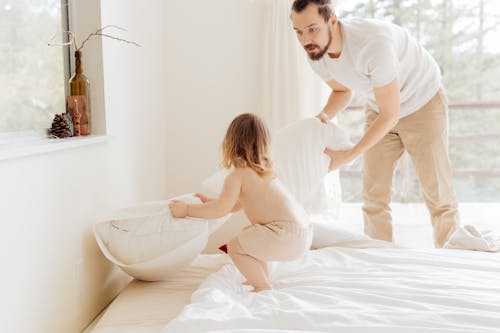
[237,207]
[225,203]
[206,199]
[203,197]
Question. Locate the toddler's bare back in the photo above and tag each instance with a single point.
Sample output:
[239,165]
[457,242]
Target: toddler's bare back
[265,200]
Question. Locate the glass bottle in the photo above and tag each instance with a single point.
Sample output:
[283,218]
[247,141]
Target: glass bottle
[79,88]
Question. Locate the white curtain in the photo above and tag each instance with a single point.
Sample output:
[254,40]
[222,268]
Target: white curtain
[291,90]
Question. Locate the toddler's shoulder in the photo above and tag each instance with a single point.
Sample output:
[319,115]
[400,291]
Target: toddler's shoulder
[237,174]
[244,174]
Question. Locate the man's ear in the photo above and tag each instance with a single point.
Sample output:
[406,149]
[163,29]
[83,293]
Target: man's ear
[332,20]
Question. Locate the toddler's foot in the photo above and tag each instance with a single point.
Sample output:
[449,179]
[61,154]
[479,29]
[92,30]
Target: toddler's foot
[256,289]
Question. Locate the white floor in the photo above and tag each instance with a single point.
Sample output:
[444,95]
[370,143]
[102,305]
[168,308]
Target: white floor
[411,221]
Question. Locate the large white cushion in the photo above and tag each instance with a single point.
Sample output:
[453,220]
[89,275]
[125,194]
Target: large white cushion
[326,233]
[300,162]
[146,242]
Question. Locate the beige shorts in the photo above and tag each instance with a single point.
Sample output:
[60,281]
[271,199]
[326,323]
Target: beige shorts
[276,241]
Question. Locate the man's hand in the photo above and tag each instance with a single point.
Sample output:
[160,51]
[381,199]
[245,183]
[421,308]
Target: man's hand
[178,208]
[203,197]
[339,158]
[323,117]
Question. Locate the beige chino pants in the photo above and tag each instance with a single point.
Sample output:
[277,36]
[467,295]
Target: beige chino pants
[424,135]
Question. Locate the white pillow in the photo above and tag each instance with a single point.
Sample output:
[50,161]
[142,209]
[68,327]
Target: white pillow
[149,244]
[212,186]
[297,152]
[301,164]
[325,234]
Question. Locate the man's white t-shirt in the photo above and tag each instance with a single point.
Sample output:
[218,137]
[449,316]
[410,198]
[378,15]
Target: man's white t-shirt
[374,53]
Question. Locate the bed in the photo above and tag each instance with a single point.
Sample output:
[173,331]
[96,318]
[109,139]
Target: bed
[358,286]
[146,307]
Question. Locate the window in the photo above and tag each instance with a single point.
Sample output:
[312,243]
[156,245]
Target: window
[462,36]
[33,76]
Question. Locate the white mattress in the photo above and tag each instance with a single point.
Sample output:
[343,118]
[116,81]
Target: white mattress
[362,287]
[355,290]
[146,307]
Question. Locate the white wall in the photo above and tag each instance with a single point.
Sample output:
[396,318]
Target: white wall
[167,106]
[214,72]
[50,202]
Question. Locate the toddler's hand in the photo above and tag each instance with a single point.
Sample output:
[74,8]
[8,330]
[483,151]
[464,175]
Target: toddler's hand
[178,208]
[203,198]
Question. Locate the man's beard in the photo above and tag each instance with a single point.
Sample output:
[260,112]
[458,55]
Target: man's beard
[318,56]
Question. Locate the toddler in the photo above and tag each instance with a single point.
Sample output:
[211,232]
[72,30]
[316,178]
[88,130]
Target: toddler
[279,229]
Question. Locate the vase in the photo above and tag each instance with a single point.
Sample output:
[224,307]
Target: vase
[79,101]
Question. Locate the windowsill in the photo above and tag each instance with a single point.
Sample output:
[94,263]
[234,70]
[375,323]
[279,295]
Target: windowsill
[35,145]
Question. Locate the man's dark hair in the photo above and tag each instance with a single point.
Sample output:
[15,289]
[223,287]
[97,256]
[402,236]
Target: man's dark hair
[324,8]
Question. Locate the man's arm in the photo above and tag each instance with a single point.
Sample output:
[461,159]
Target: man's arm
[387,98]
[339,99]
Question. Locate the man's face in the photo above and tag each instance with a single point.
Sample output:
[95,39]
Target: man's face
[313,32]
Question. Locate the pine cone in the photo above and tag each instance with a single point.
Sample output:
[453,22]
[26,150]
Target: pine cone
[60,127]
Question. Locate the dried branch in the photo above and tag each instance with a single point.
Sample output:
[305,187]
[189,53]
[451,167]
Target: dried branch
[98,32]
[71,40]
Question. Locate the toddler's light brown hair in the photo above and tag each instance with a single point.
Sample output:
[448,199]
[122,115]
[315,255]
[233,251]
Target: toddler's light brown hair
[246,144]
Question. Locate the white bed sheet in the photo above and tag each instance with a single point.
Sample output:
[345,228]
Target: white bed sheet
[145,307]
[345,289]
